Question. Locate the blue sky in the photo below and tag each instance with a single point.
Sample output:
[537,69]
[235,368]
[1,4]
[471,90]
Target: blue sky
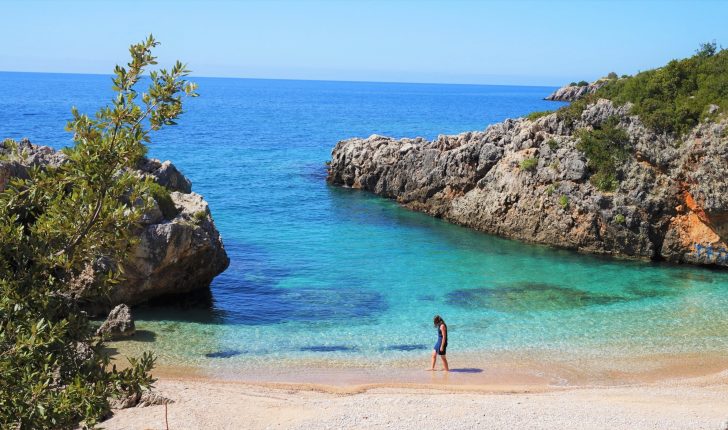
[487,42]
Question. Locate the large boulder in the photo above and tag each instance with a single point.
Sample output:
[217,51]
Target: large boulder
[174,256]
[118,324]
[672,201]
[180,248]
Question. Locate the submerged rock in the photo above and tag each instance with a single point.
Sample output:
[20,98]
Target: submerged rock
[227,353]
[671,203]
[180,248]
[118,324]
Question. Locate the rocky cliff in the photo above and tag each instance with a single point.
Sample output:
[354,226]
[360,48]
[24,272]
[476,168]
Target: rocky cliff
[569,93]
[672,201]
[180,249]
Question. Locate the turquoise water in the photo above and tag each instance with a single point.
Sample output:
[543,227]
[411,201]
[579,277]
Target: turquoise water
[343,278]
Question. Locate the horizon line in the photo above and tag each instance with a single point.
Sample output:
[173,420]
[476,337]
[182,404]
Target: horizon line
[296,79]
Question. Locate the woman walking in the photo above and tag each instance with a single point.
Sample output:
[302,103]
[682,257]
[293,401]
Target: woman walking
[441,344]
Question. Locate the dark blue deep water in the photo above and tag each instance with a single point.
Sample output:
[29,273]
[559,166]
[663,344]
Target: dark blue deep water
[318,271]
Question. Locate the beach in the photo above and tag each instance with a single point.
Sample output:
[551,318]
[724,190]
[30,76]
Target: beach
[699,402]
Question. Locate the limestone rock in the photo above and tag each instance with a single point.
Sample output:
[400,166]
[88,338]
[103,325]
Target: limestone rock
[128,401]
[166,174]
[118,324]
[569,93]
[473,179]
[174,255]
[142,399]
[151,398]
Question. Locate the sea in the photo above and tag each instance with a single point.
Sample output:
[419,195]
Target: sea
[326,277]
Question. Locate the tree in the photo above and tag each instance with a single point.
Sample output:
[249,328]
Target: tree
[707,49]
[612,75]
[63,233]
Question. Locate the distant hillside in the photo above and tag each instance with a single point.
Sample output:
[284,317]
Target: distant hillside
[671,99]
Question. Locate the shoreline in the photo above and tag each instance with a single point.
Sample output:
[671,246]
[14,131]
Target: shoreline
[497,372]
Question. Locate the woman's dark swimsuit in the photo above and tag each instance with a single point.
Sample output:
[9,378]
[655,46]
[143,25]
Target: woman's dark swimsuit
[439,342]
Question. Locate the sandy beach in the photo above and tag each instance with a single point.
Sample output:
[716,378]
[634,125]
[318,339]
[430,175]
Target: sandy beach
[203,403]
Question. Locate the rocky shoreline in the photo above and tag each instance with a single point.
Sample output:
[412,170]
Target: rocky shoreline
[180,249]
[671,204]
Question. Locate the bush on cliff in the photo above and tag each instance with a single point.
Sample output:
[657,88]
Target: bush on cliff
[674,98]
[57,228]
[606,146]
[671,99]
[538,114]
[528,164]
[164,199]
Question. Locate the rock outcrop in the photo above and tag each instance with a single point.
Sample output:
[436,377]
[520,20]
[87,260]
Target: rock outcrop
[118,324]
[180,249]
[139,399]
[672,201]
[569,93]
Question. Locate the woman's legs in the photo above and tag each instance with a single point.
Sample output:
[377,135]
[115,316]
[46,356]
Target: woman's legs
[444,363]
[434,359]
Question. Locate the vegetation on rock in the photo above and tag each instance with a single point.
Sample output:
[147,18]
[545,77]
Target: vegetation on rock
[564,202]
[670,99]
[528,164]
[162,196]
[538,114]
[606,146]
[57,228]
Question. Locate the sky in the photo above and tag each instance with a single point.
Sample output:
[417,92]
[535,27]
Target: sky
[478,42]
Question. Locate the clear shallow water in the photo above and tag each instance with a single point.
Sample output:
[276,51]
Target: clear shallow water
[343,278]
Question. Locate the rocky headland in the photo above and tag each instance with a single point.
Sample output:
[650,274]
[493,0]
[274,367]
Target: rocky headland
[571,92]
[527,180]
[179,248]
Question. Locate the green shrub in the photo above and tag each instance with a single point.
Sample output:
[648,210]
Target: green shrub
[612,75]
[619,219]
[674,98]
[536,115]
[564,202]
[163,198]
[572,84]
[582,83]
[550,189]
[572,112]
[605,148]
[553,144]
[200,216]
[529,164]
[56,224]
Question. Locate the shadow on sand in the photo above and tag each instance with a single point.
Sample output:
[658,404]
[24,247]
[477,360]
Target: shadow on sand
[466,370]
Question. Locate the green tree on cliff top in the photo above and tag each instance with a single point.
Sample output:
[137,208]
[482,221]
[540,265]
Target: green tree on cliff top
[60,228]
